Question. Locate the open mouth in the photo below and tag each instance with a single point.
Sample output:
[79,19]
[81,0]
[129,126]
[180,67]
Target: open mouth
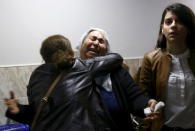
[93,50]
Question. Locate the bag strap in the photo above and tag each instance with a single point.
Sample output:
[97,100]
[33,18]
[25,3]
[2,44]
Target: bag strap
[45,98]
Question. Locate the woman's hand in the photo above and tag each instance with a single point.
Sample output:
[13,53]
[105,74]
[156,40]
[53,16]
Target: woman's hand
[153,115]
[12,104]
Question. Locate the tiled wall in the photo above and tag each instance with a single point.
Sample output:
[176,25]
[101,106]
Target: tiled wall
[16,78]
[13,79]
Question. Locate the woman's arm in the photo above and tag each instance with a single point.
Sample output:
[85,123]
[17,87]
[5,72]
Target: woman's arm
[105,64]
[146,75]
[16,111]
[23,116]
[132,97]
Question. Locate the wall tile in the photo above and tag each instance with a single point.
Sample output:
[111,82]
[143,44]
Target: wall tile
[133,64]
[13,79]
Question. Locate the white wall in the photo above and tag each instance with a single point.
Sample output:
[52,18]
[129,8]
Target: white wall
[132,25]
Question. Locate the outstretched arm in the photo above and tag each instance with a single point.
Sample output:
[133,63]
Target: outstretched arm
[105,64]
[18,112]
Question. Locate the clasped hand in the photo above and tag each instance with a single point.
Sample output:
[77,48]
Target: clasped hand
[12,103]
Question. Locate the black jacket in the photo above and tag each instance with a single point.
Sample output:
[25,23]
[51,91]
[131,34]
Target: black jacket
[79,107]
[74,103]
[131,99]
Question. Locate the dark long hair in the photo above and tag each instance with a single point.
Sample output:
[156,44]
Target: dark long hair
[186,16]
[57,49]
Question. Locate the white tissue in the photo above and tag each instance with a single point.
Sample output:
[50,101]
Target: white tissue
[157,107]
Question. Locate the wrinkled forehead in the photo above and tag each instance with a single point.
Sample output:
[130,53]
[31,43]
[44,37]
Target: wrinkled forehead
[97,34]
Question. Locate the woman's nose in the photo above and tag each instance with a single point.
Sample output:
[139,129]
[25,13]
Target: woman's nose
[174,23]
[96,43]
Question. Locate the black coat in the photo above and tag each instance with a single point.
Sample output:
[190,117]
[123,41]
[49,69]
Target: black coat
[131,99]
[79,107]
[74,103]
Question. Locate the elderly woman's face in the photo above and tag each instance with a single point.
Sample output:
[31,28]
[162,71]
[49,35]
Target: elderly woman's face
[94,45]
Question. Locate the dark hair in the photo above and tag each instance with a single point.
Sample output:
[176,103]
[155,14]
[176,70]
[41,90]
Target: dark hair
[57,49]
[186,16]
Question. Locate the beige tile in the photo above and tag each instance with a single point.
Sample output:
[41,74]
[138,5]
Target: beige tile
[13,79]
[3,119]
[133,64]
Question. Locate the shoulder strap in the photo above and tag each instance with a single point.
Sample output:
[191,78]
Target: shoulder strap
[45,98]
